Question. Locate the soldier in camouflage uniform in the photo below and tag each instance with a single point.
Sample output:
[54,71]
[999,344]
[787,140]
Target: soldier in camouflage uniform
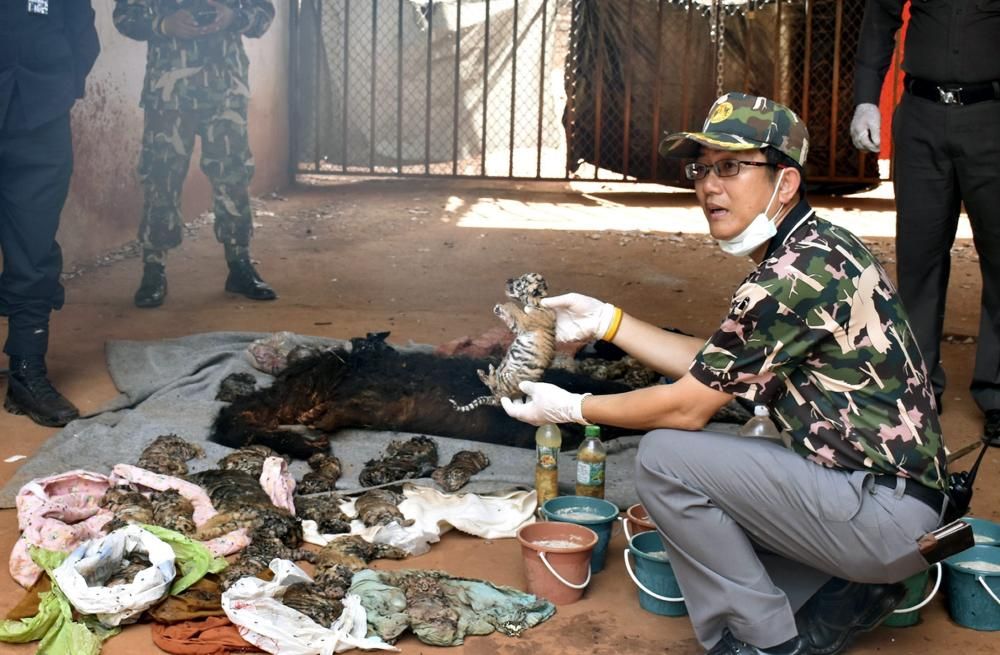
[196,84]
[816,334]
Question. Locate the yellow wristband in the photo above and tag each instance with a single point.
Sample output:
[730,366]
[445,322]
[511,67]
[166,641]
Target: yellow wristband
[616,322]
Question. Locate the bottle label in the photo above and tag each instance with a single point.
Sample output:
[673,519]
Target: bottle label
[548,456]
[590,473]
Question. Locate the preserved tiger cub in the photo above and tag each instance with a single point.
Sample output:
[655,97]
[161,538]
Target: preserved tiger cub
[534,345]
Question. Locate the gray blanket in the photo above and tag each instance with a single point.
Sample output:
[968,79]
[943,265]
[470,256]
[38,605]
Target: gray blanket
[170,386]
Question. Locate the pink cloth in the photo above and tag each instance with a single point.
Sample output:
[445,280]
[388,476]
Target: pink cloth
[140,477]
[62,511]
[278,483]
[203,510]
[57,513]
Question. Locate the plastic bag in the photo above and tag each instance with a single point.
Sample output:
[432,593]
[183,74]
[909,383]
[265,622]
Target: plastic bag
[253,605]
[433,513]
[273,353]
[81,577]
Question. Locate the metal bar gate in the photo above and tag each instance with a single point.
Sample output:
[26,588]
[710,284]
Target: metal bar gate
[558,89]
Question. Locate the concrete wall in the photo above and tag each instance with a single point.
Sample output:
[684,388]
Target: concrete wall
[105,200]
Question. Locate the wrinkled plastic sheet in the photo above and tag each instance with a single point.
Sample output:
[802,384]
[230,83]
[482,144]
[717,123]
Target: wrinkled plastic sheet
[254,606]
[82,575]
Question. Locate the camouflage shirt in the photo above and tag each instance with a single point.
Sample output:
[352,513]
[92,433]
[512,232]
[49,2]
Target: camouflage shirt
[184,74]
[818,334]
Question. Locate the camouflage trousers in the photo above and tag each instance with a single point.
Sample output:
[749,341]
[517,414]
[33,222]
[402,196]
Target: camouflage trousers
[167,144]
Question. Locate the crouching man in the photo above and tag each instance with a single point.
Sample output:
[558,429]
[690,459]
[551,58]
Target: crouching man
[777,550]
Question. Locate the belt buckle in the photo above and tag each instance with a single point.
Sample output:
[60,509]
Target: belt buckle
[950,96]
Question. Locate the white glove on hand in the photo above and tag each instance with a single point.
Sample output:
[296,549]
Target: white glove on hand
[545,403]
[580,317]
[866,127]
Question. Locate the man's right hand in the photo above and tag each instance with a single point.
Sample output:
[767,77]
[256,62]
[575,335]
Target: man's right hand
[181,25]
[866,127]
[579,317]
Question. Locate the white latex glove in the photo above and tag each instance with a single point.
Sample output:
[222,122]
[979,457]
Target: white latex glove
[545,403]
[866,127]
[580,317]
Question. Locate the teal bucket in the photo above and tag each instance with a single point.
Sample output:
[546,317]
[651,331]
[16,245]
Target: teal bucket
[986,533]
[595,513]
[909,610]
[974,587]
[659,592]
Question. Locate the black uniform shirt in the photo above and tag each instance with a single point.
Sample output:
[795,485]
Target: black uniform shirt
[947,42]
[44,60]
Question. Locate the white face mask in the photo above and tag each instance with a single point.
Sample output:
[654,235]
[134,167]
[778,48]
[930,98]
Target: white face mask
[760,230]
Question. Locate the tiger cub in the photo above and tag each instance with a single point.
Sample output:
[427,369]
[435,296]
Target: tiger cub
[534,345]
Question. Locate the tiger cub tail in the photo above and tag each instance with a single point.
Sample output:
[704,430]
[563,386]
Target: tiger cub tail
[476,403]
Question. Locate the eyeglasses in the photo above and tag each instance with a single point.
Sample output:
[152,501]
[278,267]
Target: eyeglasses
[723,168]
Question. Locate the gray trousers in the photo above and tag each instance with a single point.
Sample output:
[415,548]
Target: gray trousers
[753,530]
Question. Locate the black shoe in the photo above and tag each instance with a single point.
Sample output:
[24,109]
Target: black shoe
[153,288]
[991,428]
[840,610]
[30,392]
[730,645]
[244,279]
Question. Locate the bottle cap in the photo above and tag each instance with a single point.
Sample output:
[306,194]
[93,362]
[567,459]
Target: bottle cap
[592,431]
[761,410]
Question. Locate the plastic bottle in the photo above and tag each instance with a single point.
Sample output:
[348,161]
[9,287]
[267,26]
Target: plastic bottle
[548,439]
[590,460]
[760,425]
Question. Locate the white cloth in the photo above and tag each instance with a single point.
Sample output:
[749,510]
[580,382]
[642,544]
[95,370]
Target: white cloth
[434,512]
[254,607]
[99,559]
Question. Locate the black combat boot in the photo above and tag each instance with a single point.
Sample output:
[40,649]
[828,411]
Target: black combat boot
[244,279]
[730,645]
[153,288]
[30,392]
[840,610]
[991,428]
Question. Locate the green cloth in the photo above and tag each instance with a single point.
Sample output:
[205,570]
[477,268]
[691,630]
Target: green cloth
[54,626]
[192,559]
[385,605]
[442,609]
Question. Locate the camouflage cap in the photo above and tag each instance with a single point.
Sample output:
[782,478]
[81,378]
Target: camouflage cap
[738,121]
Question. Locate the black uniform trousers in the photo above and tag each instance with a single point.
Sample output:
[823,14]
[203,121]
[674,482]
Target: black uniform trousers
[35,169]
[946,155]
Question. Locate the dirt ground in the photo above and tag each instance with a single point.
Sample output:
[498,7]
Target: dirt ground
[426,259]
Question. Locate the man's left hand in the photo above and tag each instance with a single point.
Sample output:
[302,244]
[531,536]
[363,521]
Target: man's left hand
[545,403]
[224,17]
[866,126]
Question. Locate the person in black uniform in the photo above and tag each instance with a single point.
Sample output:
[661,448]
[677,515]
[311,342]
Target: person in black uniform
[47,48]
[946,132]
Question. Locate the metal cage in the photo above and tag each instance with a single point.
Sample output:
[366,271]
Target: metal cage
[559,89]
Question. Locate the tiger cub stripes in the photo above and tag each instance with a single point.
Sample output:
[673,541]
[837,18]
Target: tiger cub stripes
[533,348]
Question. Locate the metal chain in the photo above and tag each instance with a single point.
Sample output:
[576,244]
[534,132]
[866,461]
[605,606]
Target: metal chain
[720,47]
